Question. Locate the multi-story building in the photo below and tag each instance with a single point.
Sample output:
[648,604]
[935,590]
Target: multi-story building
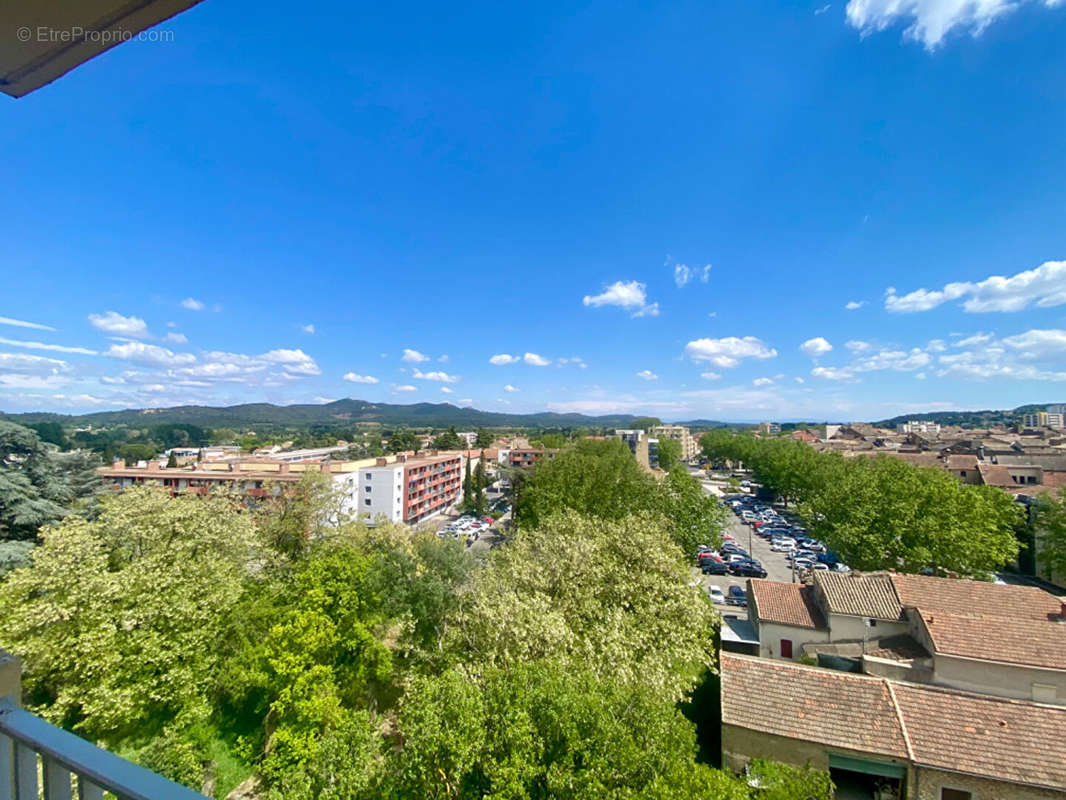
[644,449]
[400,488]
[771,428]
[469,437]
[689,445]
[919,426]
[411,489]
[1045,419]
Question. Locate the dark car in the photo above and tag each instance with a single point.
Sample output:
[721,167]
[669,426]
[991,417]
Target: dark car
[736,596]
[747,569]
[712,567]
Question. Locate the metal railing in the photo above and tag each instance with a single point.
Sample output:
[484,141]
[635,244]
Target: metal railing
[69,766]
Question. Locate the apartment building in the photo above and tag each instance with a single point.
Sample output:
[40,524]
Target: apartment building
[1045,419]
[770,428]
[525,457]
[411,489]
[644,449]
[923,427]
[689,445]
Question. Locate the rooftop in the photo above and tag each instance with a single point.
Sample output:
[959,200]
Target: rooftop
[859,594]
[785,603]
[991,737]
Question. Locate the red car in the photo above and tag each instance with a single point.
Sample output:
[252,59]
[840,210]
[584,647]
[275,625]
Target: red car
[488,520]
[707,555]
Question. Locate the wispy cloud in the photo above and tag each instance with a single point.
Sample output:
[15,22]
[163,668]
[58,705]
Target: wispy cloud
[57,348]
[684,274]
[819,11]
[192,304]
[647,375]
[535,360]
[728,352]
[852,305]
[413,356]
[19,323]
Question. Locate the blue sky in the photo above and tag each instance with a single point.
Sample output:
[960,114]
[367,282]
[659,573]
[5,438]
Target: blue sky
[597,207]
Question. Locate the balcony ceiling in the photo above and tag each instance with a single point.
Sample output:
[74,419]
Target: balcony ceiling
[40,39]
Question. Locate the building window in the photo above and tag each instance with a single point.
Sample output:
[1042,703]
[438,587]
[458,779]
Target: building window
[873,623]
[368,488]
[947,793]
[367,501]
[786,648]
[369,475]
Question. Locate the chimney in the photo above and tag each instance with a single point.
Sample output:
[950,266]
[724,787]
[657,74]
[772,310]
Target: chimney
[382,462]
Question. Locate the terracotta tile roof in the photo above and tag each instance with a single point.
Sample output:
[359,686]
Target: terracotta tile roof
[1015,641]
[995,475]
[859,594]
[901,647]
[785,603]
[990,737]
[962,462]
[974,598]
[837,709]
[1054,479]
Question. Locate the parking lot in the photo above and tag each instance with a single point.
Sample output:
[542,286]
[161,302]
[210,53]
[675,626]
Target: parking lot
[777,568]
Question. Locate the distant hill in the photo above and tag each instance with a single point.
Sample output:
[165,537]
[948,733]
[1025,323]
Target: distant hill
[967,419]
[339,412]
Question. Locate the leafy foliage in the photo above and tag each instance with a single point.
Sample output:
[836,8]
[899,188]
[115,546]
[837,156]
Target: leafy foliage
[669,453]
[882,513]
[118,620]
[1050,523]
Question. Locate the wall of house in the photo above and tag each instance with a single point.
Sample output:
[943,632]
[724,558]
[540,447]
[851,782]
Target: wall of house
[740,745]
[1004,680]
[918,671]
[930,781]
[771,634]
[844,628]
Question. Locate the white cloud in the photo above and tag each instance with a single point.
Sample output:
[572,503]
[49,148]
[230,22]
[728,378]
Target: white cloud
[176,338]
[710,376]
[446,390]
[112,322]
[929,21]
[405,388]
[852,305]
[815,347]
[833,373]
[821,10]
[35,365]
[683,274]
[192,304]
[534,360]
[763,382]
[149,354]
[728,352]
[294,361]
[857,346]
[467,401]
[501,359]
[309,328]
[353,377]
[647,375]
[325,400]
[442,377]
[443,359]
[18,323]
[629,295]
[1043,287]
[576,361]
[413,356]
[799,380]
[510,388]
[1038,355]
[936,346]
[57,348]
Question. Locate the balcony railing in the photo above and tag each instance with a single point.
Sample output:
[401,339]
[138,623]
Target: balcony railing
[34,752]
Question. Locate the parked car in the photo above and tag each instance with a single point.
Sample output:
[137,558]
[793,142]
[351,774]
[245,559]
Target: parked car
[716,593]
[747,569]
[736,596]
[712,567]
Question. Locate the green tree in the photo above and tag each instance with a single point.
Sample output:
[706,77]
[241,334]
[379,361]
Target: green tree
[484,439]
[172,461]
[610,596]
[546,729]
[669,453]
[449,440]
[468,486]
[553,441]
[1050,524]
[117,621]
[402,440]
[37,485]
[480,483]
[51,432]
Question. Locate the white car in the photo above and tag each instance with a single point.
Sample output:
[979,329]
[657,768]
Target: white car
[716,593]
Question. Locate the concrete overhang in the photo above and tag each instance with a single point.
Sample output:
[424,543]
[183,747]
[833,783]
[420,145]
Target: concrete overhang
[41,40]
